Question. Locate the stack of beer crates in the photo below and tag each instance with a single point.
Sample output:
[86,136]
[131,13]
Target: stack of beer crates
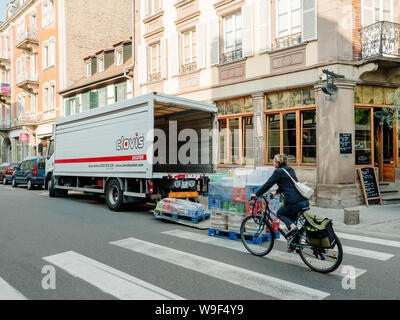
[229,198]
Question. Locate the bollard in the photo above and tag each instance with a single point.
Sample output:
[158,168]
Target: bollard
[351,216]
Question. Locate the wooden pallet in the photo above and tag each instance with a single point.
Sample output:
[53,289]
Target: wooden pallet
[225,234]
[180,217]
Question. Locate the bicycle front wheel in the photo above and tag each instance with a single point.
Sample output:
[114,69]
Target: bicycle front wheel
[257,235]
[320,259]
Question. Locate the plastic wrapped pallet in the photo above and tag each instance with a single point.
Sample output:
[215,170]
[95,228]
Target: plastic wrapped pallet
[219,221]
[180,207]
[234,222]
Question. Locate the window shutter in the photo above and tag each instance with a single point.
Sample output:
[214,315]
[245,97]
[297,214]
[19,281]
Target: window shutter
[163,44]
[52,53]
[309,27]
[173,52]
[368,12]
[201,45]
[67,110]
[248,41]
[213,31]
[77,106]
[142,62]
[264,25]
[93,99]
[44,56]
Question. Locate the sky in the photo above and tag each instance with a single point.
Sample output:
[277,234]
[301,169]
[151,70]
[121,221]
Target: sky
[3,4]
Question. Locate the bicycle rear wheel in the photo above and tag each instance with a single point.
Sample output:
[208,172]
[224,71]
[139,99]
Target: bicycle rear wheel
[320,259]
[257,235]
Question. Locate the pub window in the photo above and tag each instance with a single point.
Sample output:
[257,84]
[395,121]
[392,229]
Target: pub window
[289,136]
[309,137]
[362,118]
[373,95]
[291,99]
[273,136]
[236,131]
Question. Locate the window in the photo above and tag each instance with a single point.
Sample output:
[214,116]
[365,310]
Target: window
[155,62]
[119,57]
[232,37]
[100,63]
[45,98]
[309,137]
[52,93]
[153,6]
[49,54]
[88,67]
[188,63]
[71,106]
[102,97]
[48,13]
[33,20]
[292,132]
[288,17]
[120,92]
[236,133]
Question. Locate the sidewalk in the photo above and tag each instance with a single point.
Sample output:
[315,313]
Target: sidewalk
[376,220]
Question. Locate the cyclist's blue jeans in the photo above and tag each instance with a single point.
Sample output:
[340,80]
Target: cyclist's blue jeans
[288,212]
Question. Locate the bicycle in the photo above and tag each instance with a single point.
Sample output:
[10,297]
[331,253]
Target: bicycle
[257,233]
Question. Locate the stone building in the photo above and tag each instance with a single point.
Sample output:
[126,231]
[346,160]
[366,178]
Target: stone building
[41,46]
[262,62]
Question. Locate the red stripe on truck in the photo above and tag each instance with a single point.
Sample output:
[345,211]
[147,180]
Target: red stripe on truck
[104,159]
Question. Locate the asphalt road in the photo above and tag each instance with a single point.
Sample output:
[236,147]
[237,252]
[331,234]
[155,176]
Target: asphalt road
[99,254]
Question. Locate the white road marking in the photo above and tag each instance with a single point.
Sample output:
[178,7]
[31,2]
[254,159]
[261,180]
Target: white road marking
[264,284]
[280,256]
[383,242]
[370,254]
[7,292]
[110,280]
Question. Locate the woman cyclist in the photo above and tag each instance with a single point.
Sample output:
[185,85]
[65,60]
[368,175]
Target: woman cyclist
[294,201]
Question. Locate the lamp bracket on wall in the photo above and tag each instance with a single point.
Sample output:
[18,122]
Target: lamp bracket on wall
[329,88]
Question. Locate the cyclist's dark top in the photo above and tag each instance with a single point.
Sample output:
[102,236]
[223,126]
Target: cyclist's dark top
[285,185]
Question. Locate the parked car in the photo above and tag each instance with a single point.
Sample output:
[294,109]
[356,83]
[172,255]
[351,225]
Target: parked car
[31,172]
[6,172]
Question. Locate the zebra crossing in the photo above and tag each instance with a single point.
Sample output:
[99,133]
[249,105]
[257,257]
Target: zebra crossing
[124,286]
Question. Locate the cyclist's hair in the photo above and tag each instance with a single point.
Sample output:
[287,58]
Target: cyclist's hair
[281,159]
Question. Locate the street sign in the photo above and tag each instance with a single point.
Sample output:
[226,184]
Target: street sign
[24,137]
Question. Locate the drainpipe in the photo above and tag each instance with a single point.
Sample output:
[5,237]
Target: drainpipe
[132,66]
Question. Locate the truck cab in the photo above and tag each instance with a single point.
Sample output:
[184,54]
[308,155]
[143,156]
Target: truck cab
[49,162]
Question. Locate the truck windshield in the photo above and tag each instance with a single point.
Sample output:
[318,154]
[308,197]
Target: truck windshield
[42,164]
[51,149]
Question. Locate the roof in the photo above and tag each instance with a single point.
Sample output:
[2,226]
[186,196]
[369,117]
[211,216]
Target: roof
[110,72]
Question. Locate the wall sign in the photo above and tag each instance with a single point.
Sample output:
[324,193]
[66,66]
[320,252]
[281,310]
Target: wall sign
[345,144]
[24,137]
[369,184]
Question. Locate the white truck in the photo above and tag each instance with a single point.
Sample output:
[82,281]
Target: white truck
[138,150]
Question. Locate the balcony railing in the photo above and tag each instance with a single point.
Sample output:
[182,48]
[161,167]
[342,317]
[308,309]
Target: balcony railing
[27,118]
[232,56]
[288,41]
[380,39]
[5,125]
[154,77]
[187,68]
[25,77]
[27,35]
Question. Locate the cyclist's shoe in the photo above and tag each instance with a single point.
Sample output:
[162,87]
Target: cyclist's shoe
[292,232]
[292,244]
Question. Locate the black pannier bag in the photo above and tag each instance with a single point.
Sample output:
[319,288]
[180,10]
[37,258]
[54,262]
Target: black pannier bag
[319,231]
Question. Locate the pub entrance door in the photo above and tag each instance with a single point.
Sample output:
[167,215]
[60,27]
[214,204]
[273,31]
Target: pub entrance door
[383,149]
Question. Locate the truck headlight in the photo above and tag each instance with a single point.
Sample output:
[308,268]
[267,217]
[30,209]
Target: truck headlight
[192,183]
[177,184]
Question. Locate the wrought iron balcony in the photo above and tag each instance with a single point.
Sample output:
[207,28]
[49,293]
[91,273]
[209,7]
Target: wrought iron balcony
[381,39]
[187,68]
[27,39]
[5,125]
[288,41]
[232,56]
[27,81]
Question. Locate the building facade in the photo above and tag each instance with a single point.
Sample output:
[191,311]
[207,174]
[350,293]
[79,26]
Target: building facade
[105,80]
[41,45]
[262,62]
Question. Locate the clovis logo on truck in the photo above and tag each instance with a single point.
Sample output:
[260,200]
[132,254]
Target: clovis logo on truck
[136,142]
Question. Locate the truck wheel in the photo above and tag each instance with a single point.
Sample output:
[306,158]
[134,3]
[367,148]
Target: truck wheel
[14,183]
[114,195]
[53,192]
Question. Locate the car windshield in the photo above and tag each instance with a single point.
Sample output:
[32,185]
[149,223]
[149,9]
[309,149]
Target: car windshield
[13,166]
[42,164]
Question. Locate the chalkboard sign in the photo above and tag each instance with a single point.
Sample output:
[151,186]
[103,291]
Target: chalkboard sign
[345,143]
[369,184]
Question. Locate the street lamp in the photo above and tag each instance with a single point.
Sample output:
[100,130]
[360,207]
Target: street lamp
[329,88]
